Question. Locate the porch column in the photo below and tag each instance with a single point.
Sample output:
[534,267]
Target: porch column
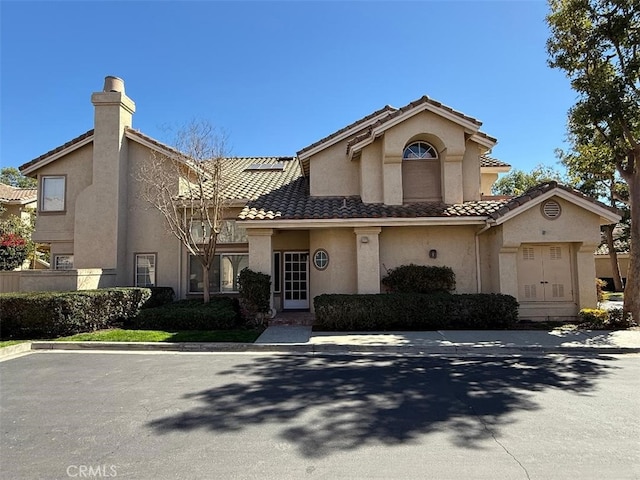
[368,259]
[260,249]
[585,275]
[260,255]
[508,260]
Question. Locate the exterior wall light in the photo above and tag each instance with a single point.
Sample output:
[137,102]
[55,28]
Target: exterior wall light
[433,253]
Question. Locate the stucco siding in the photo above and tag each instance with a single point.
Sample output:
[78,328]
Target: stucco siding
[454,245]
[78,169]
[471,173]
[490,243]
[575,224]
[340,276]
[333,174]
[147,231]
[371,173]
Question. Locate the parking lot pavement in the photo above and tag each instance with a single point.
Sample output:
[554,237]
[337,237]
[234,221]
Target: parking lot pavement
[275,416]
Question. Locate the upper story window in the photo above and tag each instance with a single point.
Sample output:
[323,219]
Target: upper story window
[53,192]
[419,151]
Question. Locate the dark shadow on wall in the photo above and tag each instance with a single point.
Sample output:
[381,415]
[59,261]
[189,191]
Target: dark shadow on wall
[337,403]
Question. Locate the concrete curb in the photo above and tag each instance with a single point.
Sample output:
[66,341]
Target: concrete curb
[325,348]
[14,350]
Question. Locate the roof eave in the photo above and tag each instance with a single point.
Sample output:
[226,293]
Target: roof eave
[31,169]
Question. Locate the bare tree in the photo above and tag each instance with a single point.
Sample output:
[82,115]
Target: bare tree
[185,183]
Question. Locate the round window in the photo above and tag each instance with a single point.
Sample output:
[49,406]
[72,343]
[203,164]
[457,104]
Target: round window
[320,259]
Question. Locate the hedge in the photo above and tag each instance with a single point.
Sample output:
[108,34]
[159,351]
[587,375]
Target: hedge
[221,313]
[420,279]
[159,296]
[55,314]
[405,311]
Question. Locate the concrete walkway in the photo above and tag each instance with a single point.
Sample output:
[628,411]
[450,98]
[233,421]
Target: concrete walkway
[301,339]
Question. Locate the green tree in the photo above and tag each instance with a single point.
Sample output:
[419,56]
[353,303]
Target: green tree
[590,168]
[597,44]
[12,176]
[517,182]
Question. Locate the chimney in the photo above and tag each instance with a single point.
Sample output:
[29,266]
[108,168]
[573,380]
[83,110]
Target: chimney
[101,209]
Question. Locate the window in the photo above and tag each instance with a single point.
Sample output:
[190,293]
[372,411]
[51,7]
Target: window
[421,174]
[223,274]
[276,272]
[419,151]
[63,262]
[145,270]
[53,190]
[320,259]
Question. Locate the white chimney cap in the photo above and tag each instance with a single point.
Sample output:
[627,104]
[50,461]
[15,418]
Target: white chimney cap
[113,84]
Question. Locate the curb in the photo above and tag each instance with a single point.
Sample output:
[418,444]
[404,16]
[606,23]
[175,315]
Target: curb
[306,348]
[15,350]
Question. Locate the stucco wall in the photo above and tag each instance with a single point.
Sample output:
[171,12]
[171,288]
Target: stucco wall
[147,231]
[77,166]
[340,275]
[454,245]
[333,174]
[490,243]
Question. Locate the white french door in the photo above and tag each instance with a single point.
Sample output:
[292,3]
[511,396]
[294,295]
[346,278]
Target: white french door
[296,280]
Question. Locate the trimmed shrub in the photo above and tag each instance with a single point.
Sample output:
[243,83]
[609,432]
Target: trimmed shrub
[600,286]
[13,251]
[159,296]
[420,279]
[604,319]
[221,313]
[56,314]
[255,293]
[404,311]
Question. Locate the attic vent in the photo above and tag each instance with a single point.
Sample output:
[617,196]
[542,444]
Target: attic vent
[551,209]
[278,167]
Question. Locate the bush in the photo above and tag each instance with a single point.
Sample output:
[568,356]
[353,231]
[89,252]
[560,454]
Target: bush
[159,296]
[604,319]
[13,251]
[221,313]
[420,279]
[403,311]
[600,286]
[255,293]
[56,314]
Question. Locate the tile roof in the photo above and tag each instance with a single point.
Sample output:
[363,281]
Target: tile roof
[541,189]
[70,143]
[487,161]
[244,182]
[293,202]
[10,194]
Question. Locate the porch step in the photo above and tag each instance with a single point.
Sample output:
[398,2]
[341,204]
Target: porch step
[293,318]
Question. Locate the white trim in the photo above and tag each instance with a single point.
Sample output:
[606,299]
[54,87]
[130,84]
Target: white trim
[581,202]
[57,155]
[494,169]
[363,222]
[484,141]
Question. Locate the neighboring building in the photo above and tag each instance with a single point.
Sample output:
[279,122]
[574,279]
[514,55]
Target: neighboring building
[17,201]
[398,186]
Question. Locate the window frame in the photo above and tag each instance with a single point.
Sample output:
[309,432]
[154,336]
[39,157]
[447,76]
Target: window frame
[62,255]
[219,290]
[420,142]
[321,251]
[155,269]
[276,273]
[42,197]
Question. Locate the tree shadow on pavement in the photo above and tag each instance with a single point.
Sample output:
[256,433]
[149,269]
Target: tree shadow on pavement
[324,404]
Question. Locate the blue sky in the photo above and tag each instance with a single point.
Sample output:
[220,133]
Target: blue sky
[278,76]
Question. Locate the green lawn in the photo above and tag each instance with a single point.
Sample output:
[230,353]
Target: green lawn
[119,335]
[6,343]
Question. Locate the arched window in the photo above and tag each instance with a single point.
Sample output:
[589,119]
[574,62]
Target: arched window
[420,173]
[418,151]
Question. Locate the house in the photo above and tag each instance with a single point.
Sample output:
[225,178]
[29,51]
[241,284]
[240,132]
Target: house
[19,202]
[399,186]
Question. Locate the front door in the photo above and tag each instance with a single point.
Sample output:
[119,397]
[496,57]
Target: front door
[544,273]
[296,280]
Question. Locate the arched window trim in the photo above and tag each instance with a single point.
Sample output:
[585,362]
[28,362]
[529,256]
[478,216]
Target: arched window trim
[420,150]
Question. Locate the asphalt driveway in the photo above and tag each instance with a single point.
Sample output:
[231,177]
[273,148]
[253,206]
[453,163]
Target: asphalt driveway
[161,416]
